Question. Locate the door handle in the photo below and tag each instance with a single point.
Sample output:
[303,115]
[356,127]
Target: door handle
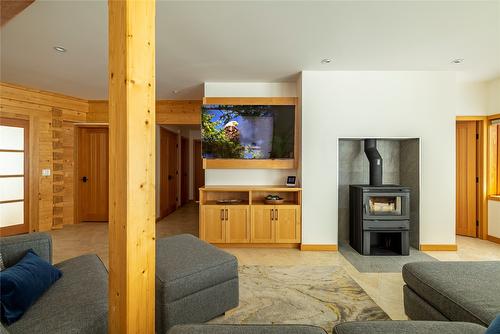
[276,215]
[272,214]
[221,214]
[84,179]
[226,214]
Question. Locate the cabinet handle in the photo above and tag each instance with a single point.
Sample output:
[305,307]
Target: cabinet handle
[226,214]
[272,214]
[221,214]
[276,214]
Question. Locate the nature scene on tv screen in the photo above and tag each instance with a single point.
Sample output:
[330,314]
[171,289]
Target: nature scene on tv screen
[247,131]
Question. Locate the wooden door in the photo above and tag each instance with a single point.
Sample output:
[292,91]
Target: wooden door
[93,174]
[213,223]
[466,195]
[168,172]
[287,224]
[184,170]
[199,172]
[237,224]
[262,224]
[14,176]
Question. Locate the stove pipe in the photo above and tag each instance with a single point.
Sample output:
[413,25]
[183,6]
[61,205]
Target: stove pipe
[375,160]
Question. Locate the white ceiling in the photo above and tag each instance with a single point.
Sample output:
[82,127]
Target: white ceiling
[252,41]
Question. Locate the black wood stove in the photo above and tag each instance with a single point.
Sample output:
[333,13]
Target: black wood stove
[379,215]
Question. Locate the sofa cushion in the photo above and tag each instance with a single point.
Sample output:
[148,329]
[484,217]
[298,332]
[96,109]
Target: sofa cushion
[461,291]
[23,283]
[246,329]
[408,327]
[14,248]
[186,264]
[76,303]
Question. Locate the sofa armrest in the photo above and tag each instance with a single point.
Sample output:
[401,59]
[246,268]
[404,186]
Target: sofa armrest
[15,247]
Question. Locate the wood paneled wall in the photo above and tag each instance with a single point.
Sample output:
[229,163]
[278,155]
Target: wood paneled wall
[168,112]
[51,118]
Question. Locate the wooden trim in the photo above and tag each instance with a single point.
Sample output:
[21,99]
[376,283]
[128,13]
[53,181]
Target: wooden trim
[26,226]
[494,116]
[11,8]
[91,125]
[259,245]
[437,247]
[249,163]
[319,248]
[14,151]
[494,198]
[493,239]
[279,101]
[471,118]
[13,175]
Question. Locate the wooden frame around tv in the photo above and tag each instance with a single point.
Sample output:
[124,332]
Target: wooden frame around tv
[257,163]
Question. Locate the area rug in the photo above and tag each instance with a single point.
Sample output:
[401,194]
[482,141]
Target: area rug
[321,296]
[381,264]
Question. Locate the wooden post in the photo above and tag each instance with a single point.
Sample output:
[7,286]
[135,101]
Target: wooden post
[132,166]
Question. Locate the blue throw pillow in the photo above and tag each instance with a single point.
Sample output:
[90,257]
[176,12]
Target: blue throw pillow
[494,327]
[22,284]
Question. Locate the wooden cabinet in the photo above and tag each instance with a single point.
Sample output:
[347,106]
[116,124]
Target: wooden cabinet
[262,224]
[251,221]
[225,223]
[275,224]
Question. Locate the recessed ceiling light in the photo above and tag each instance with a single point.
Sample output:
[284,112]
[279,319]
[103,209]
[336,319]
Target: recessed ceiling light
[175,91]
[59,49]
[457,61]
[326,61]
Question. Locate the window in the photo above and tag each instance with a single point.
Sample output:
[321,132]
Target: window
[13,176]
[494,160]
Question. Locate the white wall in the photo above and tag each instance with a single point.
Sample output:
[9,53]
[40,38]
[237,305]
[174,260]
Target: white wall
[249,176]
[493,96]
[378,104]
[494,218]
[472,98]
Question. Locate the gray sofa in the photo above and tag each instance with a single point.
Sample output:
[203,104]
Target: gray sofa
[76,303]
[452,291]
[195,281]
[408,327]
[246,329]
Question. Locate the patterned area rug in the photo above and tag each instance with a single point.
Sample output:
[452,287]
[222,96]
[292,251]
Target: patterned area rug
[321,296]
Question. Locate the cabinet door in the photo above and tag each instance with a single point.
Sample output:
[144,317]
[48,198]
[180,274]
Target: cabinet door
[213,223]
[287,221]
[262,224]
[237,224]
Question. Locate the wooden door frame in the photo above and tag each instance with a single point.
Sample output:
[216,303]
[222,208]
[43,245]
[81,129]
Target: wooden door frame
[195,189]
[26,226]
[482,163]
[76,194]
[186,140]
[177,176]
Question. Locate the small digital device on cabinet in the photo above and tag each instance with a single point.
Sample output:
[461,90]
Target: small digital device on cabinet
[291,181]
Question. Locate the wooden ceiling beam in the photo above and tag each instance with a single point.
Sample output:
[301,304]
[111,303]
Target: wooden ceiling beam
[10,8]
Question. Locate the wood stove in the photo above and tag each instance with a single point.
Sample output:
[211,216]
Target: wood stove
[379,215]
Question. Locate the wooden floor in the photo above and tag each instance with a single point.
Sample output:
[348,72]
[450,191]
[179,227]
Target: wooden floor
[384,288]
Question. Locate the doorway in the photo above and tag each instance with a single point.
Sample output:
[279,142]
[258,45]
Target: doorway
[469,178]
[184,170]
[198,172]
[92,174]
[169,173]
[14,176]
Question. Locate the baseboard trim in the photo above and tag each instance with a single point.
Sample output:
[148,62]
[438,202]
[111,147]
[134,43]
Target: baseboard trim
[436,247]
[319,248]
[257,245]
[493,239]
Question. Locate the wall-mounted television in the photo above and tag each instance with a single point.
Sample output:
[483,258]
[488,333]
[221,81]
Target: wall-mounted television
[248,131]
